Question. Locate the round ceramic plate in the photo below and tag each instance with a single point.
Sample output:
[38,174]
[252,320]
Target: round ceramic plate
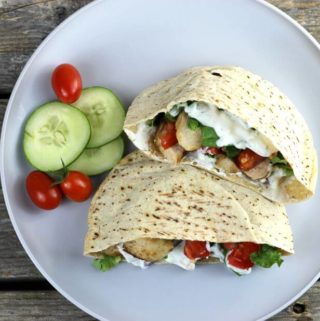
[127,45]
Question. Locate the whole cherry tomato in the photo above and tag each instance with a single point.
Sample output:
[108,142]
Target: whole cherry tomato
[248,159]
[76,186]
[240,255]
[196,250]
[42,191]
[66,83]
[168,135]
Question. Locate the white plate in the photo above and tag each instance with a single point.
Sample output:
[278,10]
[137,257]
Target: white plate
[127,45]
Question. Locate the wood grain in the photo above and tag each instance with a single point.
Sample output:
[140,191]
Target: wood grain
[51,306]
[14,262]
[23,26]
[38,305]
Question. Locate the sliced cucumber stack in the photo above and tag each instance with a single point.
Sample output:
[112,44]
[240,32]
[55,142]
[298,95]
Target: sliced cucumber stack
[105,113]
[94,161]
[55,135]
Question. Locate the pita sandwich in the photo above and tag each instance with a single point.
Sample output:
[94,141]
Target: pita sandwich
[232,123]
[148,212]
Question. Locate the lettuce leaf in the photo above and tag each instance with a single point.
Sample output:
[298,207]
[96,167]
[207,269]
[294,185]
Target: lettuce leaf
[106,263]
[278,159]
[280,162]
[209,137]
[193,124]
[267,256]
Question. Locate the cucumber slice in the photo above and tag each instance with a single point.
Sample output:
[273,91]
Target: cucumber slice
[55,134]
[105,113]
[95,161]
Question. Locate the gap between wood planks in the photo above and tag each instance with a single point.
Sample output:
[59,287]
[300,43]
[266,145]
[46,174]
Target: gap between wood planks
[28,285]
[25,285]
[4,95]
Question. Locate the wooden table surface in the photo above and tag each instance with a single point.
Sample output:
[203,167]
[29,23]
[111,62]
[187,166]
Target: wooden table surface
[24,293]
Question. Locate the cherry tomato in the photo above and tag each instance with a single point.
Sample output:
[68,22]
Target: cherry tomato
[214,151]
[240,255]
[248,159]
[196,250]
[168,135]
[77,186]
[41,190]
[229,246]
[66,83]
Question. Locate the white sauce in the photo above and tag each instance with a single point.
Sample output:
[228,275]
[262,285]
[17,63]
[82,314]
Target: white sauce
[202,159]
[174,112]
[235,269]
[230,129]
[216,252]
[274,183]
[131,259]
[142,136]
[177,257]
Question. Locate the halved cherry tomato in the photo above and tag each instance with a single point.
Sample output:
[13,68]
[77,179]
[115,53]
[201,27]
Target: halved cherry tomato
[77,186]
[229,246]
[214,151]
[41,190]
[248,159]
[196,250]
[168,135]
[240,255]
[66,83]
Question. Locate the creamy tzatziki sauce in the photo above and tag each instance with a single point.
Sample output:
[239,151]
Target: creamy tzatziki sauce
[216,252]
[230,129]
[142,136]
[131,259]
[177,257]
[202,159]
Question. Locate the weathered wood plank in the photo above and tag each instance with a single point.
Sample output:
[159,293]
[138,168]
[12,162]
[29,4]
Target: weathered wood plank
[306,12]
[307,308]
[23,26]
[14,262]
[38,305]
[51,306]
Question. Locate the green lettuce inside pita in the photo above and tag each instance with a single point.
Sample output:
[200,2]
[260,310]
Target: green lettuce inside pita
[232,123]
[150,212]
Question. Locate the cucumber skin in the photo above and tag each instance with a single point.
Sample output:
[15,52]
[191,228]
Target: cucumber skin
[24,128]
[93,173]
[120,103]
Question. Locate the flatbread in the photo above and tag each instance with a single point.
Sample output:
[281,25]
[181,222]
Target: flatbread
[256,101]
[143,198]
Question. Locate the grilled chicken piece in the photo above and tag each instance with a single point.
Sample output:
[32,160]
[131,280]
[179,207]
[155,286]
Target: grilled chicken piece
[173,154]
[112,250]
[189,139]
[260,171]
[226,164]
[149,249]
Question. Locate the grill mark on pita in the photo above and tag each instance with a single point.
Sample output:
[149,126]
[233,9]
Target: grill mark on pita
[185,219]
